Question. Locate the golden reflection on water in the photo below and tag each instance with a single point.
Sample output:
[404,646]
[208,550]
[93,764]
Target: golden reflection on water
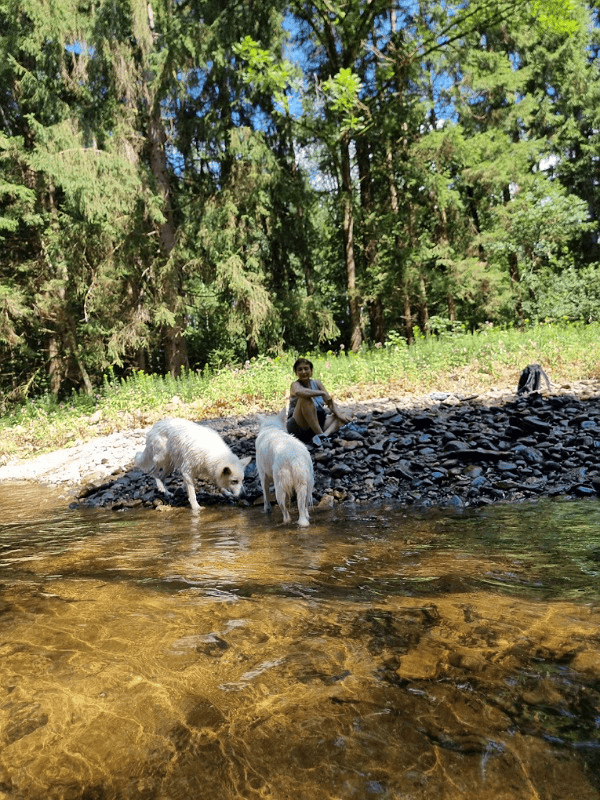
[155,656]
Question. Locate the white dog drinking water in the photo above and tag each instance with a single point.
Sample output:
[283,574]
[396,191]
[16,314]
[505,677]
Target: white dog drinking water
[285,460]
[196,451]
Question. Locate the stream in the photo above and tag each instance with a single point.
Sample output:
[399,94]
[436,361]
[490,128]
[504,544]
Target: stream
[380,653]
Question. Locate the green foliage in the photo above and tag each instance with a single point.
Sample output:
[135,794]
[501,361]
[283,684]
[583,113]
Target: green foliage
[569,294]
[159,182]
[265,72]
[557,16]
[342,92]
[13,310]
[100,187]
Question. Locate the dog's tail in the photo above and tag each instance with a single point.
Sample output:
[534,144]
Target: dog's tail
[277,420]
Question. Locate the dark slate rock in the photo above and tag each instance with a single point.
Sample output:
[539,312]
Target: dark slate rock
[536,425]
[584,491]
[529,454]
[506,466]
[402,469]
[513,432]
[439,475]
[397,420]
[479,454]
[384,415]
[456,444]
[352,433]
[551,466]
[338,470]
[459,456]
[422,422]
[473,471]
[322,457]
[377,447]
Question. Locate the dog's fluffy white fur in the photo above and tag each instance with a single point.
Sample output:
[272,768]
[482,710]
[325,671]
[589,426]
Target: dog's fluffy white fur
[284,460]
[196,451]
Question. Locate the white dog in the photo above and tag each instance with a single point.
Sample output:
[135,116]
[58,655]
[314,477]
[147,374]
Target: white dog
[285,460]
[196,451]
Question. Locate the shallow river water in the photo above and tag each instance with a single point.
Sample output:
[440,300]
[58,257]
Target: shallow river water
[377,654]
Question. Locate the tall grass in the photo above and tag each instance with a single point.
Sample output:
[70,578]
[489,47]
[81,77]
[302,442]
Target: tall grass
[459,363]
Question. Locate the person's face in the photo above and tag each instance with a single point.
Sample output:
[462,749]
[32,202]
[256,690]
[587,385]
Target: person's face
[303,371]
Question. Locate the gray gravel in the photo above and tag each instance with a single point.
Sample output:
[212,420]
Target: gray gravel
[97,459]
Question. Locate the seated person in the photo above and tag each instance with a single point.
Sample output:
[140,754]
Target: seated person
[312,412]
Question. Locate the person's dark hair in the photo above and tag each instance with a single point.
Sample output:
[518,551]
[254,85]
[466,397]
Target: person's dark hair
[299,361]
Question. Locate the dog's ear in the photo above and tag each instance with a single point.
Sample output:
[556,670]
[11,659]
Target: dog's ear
[245,461]
[282,414]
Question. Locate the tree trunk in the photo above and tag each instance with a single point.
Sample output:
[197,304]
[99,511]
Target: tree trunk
[475,217]
[515,279]
[71,336]
[424,308]
[451,308]
[356,337]
[306,260]
[251,347]
[445,242]
[369,243]
[64,337]
[55,367]
[140,359]
[174,343]
[378,330]
[407,319]
[514,272]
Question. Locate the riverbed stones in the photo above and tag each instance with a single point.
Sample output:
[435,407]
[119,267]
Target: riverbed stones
[457,455]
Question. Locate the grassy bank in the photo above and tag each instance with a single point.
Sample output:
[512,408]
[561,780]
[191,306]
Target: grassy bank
[463,364]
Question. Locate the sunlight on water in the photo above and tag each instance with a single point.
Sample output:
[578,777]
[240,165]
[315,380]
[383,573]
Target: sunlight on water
[159,656]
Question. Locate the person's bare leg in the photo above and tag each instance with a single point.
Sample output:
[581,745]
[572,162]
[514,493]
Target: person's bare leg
[305,415]
[332,424]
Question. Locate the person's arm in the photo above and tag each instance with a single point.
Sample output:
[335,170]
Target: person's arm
[298,390]
[327,398]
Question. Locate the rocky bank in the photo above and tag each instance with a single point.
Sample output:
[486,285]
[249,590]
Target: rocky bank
[442,450]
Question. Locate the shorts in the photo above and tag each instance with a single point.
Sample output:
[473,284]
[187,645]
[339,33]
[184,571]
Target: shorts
[305,434]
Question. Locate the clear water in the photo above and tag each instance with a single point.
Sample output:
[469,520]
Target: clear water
[378,653]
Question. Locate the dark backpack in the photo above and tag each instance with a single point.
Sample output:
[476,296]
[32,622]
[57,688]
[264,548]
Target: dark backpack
[531,379]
